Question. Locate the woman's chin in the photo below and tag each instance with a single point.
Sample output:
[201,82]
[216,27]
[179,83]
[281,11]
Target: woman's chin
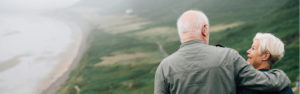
[248,60]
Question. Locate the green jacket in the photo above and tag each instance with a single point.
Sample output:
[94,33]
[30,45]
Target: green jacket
[198,68]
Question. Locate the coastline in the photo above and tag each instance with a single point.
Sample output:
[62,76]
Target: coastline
[61,71]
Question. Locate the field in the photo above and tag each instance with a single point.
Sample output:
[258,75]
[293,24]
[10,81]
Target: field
[125,49]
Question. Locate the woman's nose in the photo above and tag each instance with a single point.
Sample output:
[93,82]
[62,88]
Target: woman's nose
[248,51]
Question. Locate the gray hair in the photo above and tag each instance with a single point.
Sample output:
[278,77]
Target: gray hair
[185,26]
[272,44]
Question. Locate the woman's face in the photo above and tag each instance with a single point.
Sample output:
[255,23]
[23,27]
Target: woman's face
[253,57]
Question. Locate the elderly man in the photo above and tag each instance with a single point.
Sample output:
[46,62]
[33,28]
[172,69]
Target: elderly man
[198,68]
[265,51]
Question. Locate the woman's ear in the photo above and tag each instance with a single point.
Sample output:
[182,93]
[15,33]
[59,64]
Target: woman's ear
[266,56]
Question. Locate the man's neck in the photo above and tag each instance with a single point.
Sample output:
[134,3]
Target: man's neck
[188,37]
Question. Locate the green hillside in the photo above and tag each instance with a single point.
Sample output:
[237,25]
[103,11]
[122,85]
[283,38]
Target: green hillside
[124,52]
[218,11]
[165,12]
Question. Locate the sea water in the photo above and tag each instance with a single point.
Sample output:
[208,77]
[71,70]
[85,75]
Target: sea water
[29,48]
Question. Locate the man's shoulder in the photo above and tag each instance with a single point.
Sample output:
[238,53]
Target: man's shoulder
[210,50]
[223,50]
[224,53]
[174,55]
[172,59]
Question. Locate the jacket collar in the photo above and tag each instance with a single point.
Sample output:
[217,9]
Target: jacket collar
[263,69]
[191,42]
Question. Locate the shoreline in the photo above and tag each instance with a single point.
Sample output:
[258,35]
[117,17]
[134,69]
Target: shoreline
[54,85]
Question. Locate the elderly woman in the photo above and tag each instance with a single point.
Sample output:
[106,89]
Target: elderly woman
[265,51]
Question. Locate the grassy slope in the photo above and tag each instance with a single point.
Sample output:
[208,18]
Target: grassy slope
[165,12]
[138,76]
[218,11]
[116,78]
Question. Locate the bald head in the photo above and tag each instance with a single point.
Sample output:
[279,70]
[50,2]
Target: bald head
[192,25]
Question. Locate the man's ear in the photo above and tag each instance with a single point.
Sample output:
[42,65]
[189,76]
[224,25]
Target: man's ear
[266,56]
[204,31]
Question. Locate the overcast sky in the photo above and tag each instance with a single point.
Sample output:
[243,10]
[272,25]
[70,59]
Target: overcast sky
[34,5]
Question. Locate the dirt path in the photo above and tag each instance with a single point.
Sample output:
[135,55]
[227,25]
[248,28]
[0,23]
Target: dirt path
[162,50]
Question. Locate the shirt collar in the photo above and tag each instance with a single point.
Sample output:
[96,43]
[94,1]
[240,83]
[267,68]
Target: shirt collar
[191,42]
[263,69]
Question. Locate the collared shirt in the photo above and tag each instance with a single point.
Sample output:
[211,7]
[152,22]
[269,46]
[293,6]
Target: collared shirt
[198,68]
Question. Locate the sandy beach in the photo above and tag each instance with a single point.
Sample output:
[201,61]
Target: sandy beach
[68,60]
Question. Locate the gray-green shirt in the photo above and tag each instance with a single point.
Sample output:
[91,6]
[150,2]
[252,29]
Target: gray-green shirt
[198,68]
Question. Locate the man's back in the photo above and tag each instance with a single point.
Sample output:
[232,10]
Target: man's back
[199,68]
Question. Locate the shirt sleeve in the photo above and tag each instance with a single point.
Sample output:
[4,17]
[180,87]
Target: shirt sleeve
[160,83]
[250,78]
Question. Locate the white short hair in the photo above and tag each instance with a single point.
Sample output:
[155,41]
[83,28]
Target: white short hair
[184,26]
[272,44]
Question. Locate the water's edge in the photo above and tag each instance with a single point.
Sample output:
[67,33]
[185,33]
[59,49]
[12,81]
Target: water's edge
[61,80]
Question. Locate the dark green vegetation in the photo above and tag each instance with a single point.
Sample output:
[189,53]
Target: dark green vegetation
[136,75]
